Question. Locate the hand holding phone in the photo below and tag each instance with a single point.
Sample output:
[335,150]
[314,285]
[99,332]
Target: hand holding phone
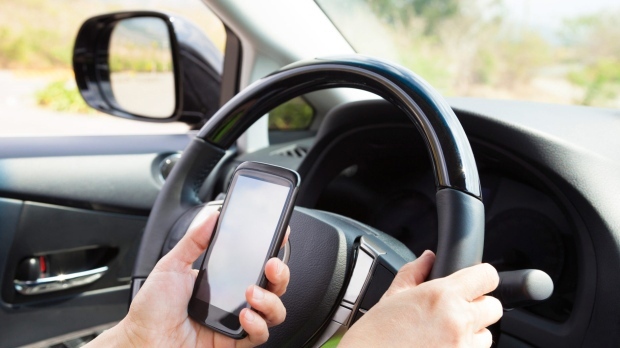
[250,230]
[158,314]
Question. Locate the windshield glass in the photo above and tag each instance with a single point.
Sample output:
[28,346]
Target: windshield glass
[557,51]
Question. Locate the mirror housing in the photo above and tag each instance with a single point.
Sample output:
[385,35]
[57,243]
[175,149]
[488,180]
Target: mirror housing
[196,66]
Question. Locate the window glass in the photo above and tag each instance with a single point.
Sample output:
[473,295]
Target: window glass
[558,51]
[294,115]
[38,95]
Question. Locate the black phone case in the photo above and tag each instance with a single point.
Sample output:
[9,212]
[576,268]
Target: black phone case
[274,248]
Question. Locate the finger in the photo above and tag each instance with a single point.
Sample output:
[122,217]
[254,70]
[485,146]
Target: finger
[288,233]
[255,326]
[278,274]
[488,310]
[267,303]
[482,339]
[412,274]
[475,281]
[196,240]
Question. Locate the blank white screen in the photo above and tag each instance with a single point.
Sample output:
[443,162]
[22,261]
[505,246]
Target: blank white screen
[238,253]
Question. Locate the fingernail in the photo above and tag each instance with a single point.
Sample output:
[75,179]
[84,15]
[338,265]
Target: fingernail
[425,253]
[279,267]
[258,293]
[249,316]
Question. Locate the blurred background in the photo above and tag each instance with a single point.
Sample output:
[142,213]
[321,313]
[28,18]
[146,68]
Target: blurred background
[553,51]
[38,95]
[557,51]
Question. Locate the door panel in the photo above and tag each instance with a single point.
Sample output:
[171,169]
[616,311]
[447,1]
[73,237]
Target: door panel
[73,204]
[71,238]
[122,183]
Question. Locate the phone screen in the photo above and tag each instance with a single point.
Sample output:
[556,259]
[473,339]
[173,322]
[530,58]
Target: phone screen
[245,233]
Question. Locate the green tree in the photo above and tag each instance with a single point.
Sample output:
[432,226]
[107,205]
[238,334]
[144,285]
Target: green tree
[403,11]
[295,114]
[594,41]
[435,11]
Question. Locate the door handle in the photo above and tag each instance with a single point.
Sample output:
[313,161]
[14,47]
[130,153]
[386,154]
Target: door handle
[58,282]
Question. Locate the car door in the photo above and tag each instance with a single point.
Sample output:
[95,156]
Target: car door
[76,186]
[72,211]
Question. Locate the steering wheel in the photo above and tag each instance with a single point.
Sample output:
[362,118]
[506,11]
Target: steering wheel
[339,267]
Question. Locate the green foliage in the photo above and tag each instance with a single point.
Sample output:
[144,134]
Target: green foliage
[435,11]
[486,67]
[472,50]
[135,64]
[600,81]
[595,40]
[140,45]
[521,57]
[393,12]
[431,68]
[33,48]
[295,114]
[460,47]
[397,12]
[61,95]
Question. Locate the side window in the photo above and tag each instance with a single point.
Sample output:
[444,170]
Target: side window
[293,115]
[38,95]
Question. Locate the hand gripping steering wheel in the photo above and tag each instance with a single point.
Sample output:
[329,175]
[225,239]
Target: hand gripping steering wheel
[339,267]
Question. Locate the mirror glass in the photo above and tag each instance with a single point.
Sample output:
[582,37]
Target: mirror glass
[141,70]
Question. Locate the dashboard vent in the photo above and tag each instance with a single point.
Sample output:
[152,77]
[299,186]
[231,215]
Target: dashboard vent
[294,151]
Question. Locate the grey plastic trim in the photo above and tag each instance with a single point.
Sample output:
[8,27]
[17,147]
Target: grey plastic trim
[124,182]
[523,287]
[287,252]
[367,254]
[60,340]
[136,284]
[360,273]
[461,232]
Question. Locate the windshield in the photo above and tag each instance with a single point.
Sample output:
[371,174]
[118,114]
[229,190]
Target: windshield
[557,51]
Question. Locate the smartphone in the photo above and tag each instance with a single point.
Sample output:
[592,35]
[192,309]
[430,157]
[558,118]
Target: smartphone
[252,224]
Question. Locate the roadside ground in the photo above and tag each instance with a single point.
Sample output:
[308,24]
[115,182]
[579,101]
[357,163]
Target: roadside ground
[20,116]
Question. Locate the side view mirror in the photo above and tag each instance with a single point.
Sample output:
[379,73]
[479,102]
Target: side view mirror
[148,66]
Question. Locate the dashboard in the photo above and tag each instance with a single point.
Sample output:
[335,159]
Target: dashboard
[525,227]
[548,188]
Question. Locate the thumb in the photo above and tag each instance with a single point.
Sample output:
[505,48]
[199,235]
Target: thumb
[195,241]
[412,274]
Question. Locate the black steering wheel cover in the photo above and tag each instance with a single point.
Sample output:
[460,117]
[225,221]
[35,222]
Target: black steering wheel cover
[179,194]
[453,161]
[460,232]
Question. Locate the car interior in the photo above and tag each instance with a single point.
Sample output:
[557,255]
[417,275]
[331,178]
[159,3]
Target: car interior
[388,166]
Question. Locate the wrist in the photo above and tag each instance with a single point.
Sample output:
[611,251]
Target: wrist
[130,335]
[122,334]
